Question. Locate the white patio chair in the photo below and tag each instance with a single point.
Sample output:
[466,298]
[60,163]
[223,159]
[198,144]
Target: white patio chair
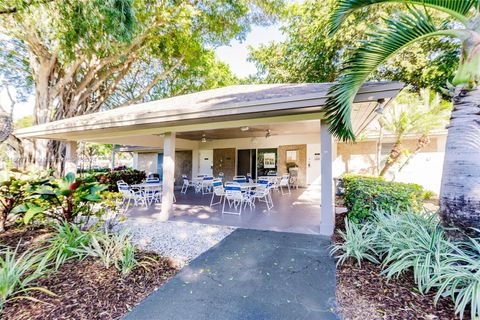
[240,179]
[207,185]
[218,191]
[284,182]
[221,176]
[263,194]
[129,195]
[186,184]
[234,199]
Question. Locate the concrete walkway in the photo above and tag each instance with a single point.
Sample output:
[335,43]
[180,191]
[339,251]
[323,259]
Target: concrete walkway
[251,274]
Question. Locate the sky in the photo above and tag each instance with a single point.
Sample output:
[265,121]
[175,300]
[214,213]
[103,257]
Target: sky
[235,55]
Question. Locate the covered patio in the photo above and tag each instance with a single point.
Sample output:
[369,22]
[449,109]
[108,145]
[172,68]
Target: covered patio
[298,212]
[225,121]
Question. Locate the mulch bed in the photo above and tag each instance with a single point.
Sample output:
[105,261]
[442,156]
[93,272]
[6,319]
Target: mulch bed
[362,293]
[24,238]
[85,289]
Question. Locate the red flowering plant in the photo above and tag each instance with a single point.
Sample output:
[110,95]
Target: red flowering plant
[65,199]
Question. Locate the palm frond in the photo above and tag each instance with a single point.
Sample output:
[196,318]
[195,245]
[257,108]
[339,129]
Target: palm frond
[456,8]
[398,33]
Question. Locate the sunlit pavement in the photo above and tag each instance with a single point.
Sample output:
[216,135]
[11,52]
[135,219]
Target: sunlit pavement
[250,274]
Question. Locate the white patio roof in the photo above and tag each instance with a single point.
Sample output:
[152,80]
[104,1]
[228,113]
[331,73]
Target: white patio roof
[217,108]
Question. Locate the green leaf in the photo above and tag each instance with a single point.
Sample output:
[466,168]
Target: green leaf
[69,178]
[32,212]
[383,43]
[457,9]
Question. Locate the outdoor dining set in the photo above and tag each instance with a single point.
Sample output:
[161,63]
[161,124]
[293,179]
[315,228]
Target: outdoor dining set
[234,196]
[242,191]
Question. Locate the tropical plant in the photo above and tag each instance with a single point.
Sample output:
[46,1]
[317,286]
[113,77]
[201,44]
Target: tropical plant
[112,249]
[458,277]
[412,113]
[64,199]
[359,241]
[18,273]
[13,193]
[405,241]
[459,202]
[66,242]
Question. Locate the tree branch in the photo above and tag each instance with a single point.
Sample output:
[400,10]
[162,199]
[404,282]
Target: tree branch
[16,9]
[155,80]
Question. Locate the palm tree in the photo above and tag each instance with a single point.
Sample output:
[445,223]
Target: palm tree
[460,190]
[413,113]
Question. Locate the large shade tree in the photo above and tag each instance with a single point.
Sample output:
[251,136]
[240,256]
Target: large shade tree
[309,54]
[74,54]
[460,189]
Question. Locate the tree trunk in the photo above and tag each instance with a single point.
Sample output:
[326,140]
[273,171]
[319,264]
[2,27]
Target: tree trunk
[460,188]
[393,157]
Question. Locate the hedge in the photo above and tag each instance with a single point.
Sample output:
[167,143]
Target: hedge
[365,194]
[130,176]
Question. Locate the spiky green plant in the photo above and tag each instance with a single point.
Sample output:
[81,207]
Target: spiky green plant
[18,273]
[402,29]
[458,276]
[66,242]
[359,243]
[411,241]
[112,249]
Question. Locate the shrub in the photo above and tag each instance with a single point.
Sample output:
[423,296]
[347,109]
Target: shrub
[18,272]
[65,199]
[404,241]
[14,190]
[364,195]
[130,176]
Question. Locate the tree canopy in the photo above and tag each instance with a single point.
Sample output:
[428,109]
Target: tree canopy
[310,54]
[79,56]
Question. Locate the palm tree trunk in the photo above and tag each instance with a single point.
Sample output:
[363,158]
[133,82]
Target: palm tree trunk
[460,189]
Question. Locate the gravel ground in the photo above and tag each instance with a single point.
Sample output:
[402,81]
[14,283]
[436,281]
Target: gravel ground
[181,241]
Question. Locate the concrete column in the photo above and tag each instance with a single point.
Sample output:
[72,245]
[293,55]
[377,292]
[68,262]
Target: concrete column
[71,157]
[168,175]
[112,158]
[327,214]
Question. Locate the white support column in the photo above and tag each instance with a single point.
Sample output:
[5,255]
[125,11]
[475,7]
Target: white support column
[71,157]
[327,214]
[168,175]
[112,158]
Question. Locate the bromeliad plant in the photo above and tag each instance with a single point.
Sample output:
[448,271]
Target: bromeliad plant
[64,200]
[459,202]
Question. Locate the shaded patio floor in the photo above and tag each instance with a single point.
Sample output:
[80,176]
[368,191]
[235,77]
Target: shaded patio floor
[298,212]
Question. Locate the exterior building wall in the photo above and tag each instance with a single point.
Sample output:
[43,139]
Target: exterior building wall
[301,161]
[424,169]
[147,161]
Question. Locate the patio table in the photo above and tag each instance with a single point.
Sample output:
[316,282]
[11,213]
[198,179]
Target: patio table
[150,191]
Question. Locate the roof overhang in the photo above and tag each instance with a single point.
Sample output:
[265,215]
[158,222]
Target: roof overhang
[217,108]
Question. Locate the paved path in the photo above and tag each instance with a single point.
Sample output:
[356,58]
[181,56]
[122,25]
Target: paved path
[251,274]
